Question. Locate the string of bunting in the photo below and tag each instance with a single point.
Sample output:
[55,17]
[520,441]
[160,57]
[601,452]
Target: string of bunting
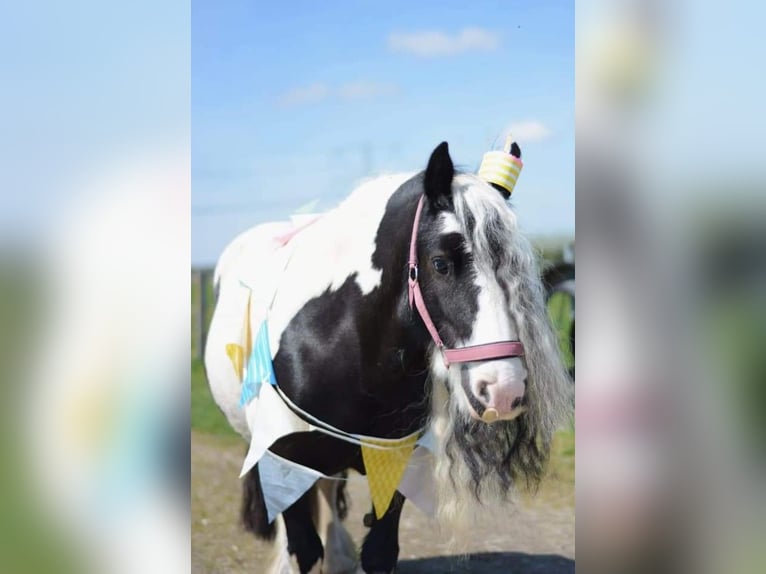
[271,415]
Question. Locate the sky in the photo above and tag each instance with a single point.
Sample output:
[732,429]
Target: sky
[295,105]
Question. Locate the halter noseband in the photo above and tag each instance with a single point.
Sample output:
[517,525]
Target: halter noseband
[483,352]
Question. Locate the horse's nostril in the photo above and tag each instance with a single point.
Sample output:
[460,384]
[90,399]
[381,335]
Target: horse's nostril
[516,403]
[483,392]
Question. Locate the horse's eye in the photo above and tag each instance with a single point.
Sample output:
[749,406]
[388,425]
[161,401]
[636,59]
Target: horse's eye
[441,265]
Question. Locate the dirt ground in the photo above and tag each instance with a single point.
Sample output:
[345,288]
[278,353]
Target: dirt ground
[535,537]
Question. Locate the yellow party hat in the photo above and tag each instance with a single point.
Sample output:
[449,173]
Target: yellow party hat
[385,468]
[501,167]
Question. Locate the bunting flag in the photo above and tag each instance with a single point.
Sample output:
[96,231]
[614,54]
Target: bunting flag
[417,484]
[238,353]
[428,441]
[385,467]
[269,419]
[283,482]
[260,369]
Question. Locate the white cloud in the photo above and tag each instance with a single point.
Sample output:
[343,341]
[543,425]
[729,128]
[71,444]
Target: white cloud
[304,95]
[529,131]
[428,44]
[363,89]
[351,91]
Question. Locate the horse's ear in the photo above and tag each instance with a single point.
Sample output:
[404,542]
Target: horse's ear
[438,178]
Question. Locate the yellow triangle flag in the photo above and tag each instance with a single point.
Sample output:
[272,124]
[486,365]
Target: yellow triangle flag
[237,355]
[385,468]
[236,352]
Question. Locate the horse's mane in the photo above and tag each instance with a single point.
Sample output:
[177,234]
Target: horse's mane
[487,459]
[489,222]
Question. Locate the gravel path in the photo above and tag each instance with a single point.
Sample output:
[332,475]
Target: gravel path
[535,537]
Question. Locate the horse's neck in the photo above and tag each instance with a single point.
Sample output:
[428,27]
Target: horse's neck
[343,295]
[339,245]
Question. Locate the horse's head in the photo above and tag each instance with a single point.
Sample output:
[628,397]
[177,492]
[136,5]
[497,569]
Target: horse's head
[480,284]
[464,243]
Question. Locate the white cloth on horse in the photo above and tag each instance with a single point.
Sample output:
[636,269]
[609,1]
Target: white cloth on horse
[428,440]
[269,419]
[260,369]
[263,286]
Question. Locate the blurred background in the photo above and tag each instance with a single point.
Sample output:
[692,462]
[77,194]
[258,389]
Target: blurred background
[672,286]
[94,289]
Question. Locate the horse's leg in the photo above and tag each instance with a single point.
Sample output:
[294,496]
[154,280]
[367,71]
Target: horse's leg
[255,520]
[340,551]
[302,539]
[280,557]
[380,550]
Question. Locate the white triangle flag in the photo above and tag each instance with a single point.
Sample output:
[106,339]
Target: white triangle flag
[283,482]
[417,484]
[269,419]
[428,440]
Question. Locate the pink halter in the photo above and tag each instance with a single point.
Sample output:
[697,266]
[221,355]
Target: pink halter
[482,352]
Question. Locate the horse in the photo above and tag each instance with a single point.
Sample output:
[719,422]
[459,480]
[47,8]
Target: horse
[415,303]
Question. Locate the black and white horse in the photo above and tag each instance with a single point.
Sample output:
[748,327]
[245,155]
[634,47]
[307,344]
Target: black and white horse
[349,349]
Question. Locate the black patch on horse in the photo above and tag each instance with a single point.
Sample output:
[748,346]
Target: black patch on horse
[253,511]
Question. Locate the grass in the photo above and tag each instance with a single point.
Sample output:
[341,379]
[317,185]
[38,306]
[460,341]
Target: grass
[206,417]
[561,313]
[558,487]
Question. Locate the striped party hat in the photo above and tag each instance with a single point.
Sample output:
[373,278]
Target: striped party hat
[501,168]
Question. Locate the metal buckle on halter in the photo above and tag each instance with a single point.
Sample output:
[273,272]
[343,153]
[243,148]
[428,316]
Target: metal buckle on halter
[413,280]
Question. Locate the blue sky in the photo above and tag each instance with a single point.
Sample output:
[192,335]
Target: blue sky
[292,105]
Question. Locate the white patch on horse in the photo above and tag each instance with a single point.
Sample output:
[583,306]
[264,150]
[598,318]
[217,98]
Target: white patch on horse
[279,561]
[493,323]
[338,246]
[449,223]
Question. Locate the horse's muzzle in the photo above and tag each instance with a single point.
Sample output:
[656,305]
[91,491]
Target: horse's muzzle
[499,400]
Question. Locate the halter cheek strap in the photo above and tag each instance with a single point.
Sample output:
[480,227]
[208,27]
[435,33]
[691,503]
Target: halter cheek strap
[483,352]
